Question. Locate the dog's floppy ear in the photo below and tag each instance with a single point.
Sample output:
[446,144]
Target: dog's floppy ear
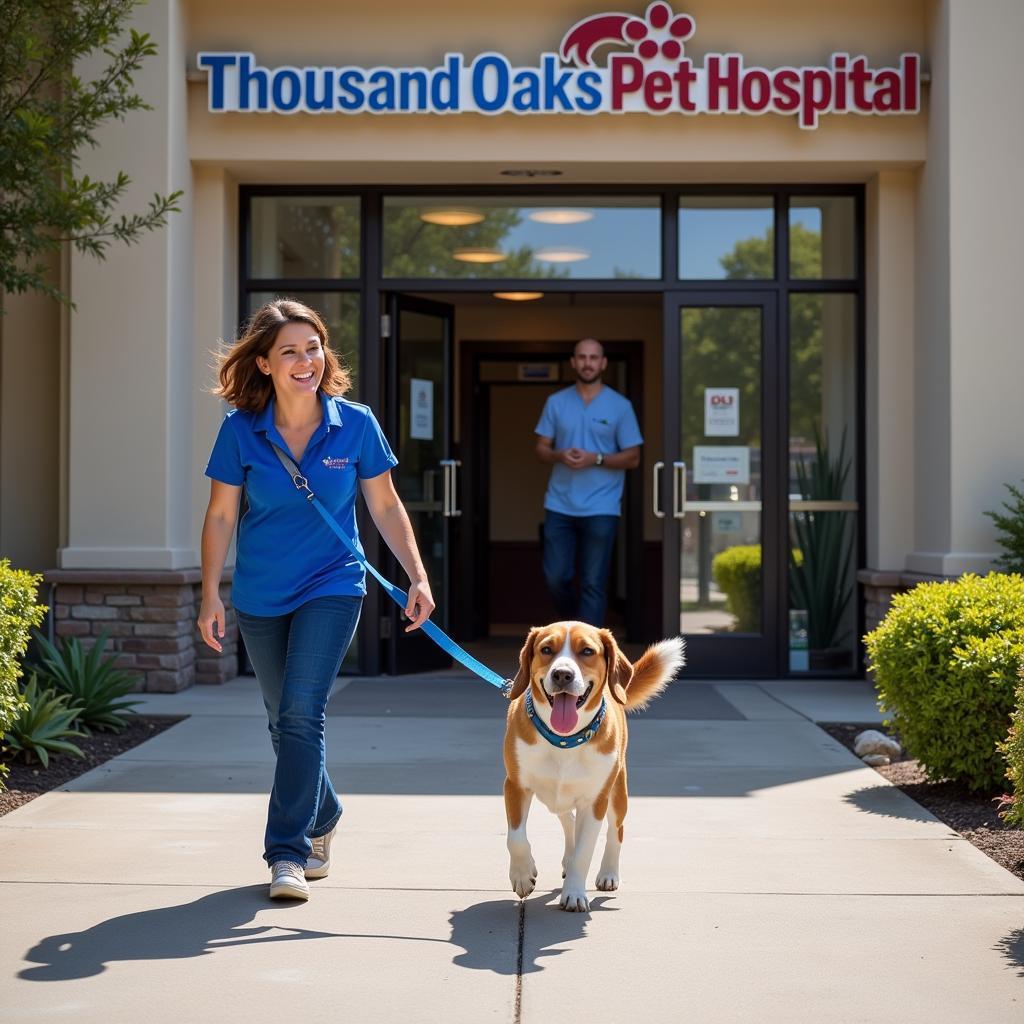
[522,679]
[620,669]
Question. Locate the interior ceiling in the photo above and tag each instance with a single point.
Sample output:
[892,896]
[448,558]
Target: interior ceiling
[552,299]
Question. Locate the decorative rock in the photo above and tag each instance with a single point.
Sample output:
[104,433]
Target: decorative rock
[875,760]
[871,741]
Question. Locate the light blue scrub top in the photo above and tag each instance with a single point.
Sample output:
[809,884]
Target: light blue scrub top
[287,554]
[608,424]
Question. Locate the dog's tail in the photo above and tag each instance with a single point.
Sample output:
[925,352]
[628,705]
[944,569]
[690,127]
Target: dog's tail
[655,669]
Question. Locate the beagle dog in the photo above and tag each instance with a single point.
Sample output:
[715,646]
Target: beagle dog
[565,741]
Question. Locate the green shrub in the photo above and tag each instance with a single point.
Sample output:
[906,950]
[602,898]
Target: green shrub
[42,725]
[945,660]
[18,614]
[92,682]
[1013,751]
[737,571]
[1011,529]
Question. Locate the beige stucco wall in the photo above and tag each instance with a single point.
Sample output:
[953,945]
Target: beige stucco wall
[30,428]
[394,148]
[943,342]
[130,486]
[968,353]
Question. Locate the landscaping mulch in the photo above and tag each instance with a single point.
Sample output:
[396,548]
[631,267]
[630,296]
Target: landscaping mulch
[27,781]
[972,815]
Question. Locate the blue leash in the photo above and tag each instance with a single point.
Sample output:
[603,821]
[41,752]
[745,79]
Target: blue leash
[399,596]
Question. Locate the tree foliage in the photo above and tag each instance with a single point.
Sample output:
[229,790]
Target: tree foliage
[1011,531]
[49,114]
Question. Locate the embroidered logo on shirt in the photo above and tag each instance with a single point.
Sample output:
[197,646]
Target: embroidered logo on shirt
[332,463]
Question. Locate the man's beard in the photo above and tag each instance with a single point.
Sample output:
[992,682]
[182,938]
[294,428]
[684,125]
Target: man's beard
[584,379]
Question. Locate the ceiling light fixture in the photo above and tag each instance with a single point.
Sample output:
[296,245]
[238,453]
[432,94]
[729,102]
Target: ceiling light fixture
[479,255]
[561,216]
[531,172]
[452,218]
[562,255]
[519,296]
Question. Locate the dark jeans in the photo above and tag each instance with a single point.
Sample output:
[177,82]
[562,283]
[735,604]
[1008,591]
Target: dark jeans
[296,658]
[594,536]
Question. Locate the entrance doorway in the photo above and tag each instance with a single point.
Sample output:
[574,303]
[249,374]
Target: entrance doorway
[745,309]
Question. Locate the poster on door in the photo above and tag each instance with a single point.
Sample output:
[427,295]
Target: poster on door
[722,412]
[421,406]
[721,464]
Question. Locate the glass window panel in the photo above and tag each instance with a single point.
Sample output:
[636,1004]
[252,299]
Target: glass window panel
[536,237]
[822,468]
[726,238]
[720,388]
[305,236]
[821,237]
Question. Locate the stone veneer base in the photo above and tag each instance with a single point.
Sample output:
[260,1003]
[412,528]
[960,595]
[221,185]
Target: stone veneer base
[880,586]
[150,618]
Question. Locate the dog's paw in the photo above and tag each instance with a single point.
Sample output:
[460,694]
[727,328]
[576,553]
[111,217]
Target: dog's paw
[523,879]
[574,898]
[608,881]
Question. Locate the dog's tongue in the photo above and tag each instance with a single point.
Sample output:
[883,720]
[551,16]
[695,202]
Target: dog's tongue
[563,713]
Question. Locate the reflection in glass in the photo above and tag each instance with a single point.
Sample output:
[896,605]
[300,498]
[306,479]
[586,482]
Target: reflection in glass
[726,238]
[720,389]
[305,236]
[339,311]
[822,376]
[532,237]
[421,439]
[822,457]
[821,237]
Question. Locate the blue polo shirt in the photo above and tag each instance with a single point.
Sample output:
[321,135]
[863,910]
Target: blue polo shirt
[608,424]
[287,554]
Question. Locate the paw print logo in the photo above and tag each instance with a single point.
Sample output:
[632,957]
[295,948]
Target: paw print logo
[658,33]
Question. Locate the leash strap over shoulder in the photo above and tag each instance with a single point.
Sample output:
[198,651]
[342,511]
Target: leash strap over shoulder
[399,596]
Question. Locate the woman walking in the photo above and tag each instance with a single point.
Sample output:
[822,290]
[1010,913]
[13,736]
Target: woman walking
[296,590]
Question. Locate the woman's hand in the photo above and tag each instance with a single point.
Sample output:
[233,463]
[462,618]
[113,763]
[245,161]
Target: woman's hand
[420,605]
[211,622]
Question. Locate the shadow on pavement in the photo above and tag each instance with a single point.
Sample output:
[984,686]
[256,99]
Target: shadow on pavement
[1012,947]
[169,933]
[479,930]
[887,801]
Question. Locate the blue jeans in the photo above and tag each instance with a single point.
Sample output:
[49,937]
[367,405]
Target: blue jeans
[594,536]
[296,658]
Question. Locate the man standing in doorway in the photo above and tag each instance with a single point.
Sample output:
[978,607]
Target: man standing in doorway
[589,434]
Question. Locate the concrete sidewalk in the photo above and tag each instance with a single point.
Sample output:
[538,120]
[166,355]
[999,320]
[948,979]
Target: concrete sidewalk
[767,876]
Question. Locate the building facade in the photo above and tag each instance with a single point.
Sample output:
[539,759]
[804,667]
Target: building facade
[793,227]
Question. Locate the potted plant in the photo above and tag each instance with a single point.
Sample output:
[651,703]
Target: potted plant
[819,579]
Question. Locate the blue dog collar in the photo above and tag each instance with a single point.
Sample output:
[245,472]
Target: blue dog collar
[555,739]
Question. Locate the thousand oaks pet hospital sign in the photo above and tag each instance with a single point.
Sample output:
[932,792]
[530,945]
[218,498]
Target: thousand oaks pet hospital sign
[653,76]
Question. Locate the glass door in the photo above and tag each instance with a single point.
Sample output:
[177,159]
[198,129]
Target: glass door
[427,478]
[715,488]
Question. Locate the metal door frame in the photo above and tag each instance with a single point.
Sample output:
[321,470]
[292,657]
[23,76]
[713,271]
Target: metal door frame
[402,648]
[756,655]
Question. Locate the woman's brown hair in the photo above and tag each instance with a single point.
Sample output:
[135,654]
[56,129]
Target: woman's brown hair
[241,382]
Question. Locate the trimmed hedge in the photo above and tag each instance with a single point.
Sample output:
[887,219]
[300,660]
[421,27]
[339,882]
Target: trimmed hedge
[19,612]
[737,571]
[1013,751]
[946,659]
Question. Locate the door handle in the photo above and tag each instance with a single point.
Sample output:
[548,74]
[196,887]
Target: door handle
[655,472]
[450,504]
[678,490]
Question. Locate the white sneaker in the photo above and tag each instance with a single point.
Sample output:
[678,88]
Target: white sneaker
[319,863]
[287,881]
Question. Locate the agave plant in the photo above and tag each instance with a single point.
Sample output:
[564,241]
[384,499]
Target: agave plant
[43,725]
[93,683]
[819,580]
